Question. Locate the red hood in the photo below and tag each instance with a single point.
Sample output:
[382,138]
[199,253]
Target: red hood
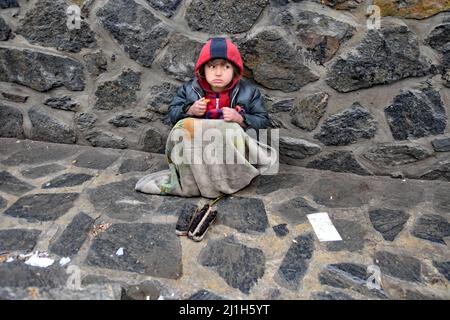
[219,48]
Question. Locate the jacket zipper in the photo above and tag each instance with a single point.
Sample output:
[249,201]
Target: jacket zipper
[232,100]
[199,95]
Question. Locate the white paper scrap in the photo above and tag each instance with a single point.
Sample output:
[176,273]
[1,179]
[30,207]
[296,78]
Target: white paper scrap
[323,227]
[39,260]
[119,252]
[64,261]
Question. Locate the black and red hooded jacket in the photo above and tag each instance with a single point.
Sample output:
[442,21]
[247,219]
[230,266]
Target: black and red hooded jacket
[239,94]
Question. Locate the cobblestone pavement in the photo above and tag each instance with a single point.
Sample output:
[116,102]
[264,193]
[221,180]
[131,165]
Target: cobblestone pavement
[79,202]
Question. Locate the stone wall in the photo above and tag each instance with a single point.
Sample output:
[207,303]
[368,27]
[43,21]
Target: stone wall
[344,97]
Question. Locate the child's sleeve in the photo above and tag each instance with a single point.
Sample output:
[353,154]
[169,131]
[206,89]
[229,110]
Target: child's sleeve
[179,106]
[256,115]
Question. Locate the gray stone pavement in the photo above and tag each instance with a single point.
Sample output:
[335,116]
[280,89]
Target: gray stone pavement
[79,202]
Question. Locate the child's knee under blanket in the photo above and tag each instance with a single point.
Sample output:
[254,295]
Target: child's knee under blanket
[209,158]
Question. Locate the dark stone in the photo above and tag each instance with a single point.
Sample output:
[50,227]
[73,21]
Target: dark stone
[440,171]
[199,15]
[160,97]
[352,234]
[119,200]
[240,266]
[119,93]
[416,114]
[388,222]
[124,120]
[243,214]
[281,230]
[176,205]
[307,113]
[401,194]
[40,71]
[441,145]
[11,122]
[295,263]
[137,30]
[446,56]
[92,292]
[441,198]
[14,97]
[150,249]
[443,268]
[439,37]
[62,103]
[389,154]
[105,139]
[274,62]
[85,120]
[154,141]
[338,192]
[285,105]
[338,4]
[67,180]
[297,148]
[49,128]
[320,34]
[167,7]
[331,295]
[94,159]
[347,127]
[146,290]
[3,202]
[180,57]
[5,30]
[96,63]
[431,227]
[18,239]
[73,236]
[295,210]
[414,295]
[10,146]
[273,294]
[140,164]
[41,171]
[270,183]
[339,161]
[12,185]
[40,153]
[349,276]
[401,267]
[42,207]
[383,56]
[34,27]
[17,274]
[8,4]
[205,295]
[276,123]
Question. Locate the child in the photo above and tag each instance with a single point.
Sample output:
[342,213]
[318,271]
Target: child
[218,92]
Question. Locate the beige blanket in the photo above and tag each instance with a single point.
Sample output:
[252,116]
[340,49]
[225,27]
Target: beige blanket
[209,158]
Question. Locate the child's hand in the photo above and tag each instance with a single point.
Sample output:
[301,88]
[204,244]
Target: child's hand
[198,108]
[231,115]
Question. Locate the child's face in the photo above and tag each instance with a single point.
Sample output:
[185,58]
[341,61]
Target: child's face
[218,73]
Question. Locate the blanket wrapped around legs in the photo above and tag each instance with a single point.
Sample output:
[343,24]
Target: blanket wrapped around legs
[209,158]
